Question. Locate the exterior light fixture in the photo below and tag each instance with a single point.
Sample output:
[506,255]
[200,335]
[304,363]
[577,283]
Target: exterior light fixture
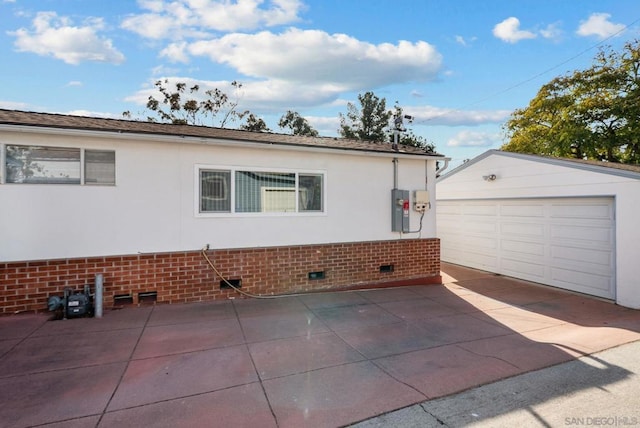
[490,177]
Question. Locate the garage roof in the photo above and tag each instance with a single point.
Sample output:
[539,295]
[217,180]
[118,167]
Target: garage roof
[619,169]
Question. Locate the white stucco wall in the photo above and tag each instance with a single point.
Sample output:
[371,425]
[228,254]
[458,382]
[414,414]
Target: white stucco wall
[152,206]
[522,178]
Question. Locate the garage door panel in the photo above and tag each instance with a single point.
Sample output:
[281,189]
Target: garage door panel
[586,256]
[451,227]
[581,282]
[449,209]
[480,210]
[482,243]
[480,227]
[523,229]
[482,260]
[593,236]
[471,259]
[522,269]
[522,210]
[568,243]
[523,247]
[590,211]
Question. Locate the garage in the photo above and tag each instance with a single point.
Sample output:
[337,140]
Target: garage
[563,242]
[567,223]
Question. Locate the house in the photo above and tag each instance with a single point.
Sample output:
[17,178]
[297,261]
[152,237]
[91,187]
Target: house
[143,204]
[567,223]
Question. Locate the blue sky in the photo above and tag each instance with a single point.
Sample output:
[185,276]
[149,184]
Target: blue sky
[460,67]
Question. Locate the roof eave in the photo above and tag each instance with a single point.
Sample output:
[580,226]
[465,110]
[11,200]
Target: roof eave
[599,169]
[220,141]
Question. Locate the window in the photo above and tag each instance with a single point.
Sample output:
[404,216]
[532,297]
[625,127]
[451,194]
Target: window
[255,191]
[265,192]
[58,165]
[310,194]
[55,165]
[214,191]
[99,167]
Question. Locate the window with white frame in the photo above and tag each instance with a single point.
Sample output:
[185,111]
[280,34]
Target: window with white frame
[58,165]
[214,191]
[258,191]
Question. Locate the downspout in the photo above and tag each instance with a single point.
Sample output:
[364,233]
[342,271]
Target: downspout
[446,165]
[395,173]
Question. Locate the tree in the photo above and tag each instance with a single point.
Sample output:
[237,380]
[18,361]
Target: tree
[254,124]
[185,105]
[367,122]
[589,114]
[297,124]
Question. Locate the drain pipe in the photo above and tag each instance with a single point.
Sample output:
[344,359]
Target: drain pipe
[99,283]
[445,166]
[395,173]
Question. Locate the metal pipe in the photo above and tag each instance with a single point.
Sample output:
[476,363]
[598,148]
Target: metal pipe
[98,298]
[395,173]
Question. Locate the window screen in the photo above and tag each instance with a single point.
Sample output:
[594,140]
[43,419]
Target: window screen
[265,192]
[99,167]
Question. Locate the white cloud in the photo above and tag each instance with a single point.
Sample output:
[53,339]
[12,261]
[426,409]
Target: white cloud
[314,57]
[74,83]
[552,31]
[151,26]
[176,19]
[434,116]
[14,105]
[176,52]
[89,113]
[326,126]
[55,36]
[162,70]
[474,139]
[598,25]
[509,31]
[266,96]
[465,42]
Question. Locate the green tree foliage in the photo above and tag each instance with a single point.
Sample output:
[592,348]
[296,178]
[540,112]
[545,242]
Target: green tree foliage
[589,114]
[368,121]
[254,123]
[183,105]
[297,124]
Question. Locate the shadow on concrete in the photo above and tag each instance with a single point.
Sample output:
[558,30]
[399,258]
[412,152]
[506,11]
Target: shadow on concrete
[318,360]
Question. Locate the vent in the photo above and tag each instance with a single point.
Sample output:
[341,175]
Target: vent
[316,275]
[386,268]
[224,284]
[147,296]
[122,299]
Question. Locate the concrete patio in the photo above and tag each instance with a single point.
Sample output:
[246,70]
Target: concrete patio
[315,360]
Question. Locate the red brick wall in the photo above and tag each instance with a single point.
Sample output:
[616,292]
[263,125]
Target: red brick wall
[186,276]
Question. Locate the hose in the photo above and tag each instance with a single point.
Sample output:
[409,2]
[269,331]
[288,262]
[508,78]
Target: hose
[255,296]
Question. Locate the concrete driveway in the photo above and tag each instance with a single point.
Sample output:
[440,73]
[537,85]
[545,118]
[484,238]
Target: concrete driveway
[316,360]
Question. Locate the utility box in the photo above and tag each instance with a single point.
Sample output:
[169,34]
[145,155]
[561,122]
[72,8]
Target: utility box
[399,210]
[421,201]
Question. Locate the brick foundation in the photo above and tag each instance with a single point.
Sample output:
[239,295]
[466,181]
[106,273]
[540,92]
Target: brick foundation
[186,277]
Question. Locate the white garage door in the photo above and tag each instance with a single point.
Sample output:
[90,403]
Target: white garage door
[567,242]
